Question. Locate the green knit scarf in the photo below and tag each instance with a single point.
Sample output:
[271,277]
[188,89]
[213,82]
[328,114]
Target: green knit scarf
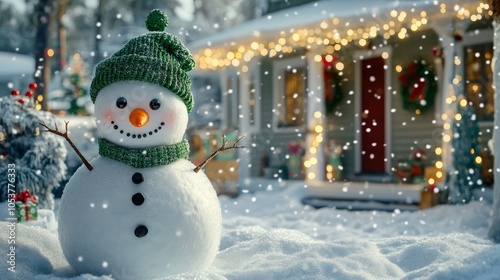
[142,158]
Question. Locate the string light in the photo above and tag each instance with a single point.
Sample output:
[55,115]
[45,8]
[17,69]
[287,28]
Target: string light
[334,35]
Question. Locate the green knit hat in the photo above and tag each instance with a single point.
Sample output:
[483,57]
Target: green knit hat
[156,57]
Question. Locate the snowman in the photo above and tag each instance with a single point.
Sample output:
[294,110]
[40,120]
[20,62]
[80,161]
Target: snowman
[142,212]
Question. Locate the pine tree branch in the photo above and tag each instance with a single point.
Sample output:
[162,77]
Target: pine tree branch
[65,136]
[221,149]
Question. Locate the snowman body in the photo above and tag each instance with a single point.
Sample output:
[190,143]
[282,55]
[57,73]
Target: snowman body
[139,223]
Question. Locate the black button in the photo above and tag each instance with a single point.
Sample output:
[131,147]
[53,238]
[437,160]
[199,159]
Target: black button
[141,231]
[137,178]
[138,199]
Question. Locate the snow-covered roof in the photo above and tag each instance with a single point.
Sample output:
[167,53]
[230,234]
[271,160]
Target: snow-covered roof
[13,64]
[16,64]
[305,15]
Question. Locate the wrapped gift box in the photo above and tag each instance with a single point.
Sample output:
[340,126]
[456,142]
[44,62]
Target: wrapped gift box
[26,206]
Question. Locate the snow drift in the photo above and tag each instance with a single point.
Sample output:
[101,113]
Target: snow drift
[274,236]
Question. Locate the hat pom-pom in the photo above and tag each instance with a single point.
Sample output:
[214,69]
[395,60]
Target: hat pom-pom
[156,21]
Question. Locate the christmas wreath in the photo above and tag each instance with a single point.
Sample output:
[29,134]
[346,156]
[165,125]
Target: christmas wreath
[418,87]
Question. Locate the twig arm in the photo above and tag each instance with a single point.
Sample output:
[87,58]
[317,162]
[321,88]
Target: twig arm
[65,136]
[221,149]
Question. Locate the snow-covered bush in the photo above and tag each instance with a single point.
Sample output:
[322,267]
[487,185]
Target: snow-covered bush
[38,156]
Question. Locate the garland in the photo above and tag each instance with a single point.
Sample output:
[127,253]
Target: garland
[418,87]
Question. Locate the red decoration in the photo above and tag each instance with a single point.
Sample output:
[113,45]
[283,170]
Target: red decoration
[33,86]
[14,92]
[4,153]
[417,170]
[21,101]
[295,148]
[458,37]
[418,154]
[417,93]
[412,69]
[403,79]
[25,196]
[437,51]
[29,93]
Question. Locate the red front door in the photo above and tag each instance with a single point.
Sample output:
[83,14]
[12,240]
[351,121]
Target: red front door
[373,142]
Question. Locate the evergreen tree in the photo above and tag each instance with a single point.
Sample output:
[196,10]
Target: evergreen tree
[76,85]
[466,149]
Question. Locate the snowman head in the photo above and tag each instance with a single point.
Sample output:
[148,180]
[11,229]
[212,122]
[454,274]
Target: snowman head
[137,115]
[142,89]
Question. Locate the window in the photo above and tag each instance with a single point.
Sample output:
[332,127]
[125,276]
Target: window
[251,103]
[207,95]
[479,78]
[277,5]
[290,93]
[254,99]
[232,100]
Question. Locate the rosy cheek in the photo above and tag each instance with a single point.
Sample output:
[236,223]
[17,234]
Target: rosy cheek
[169,118]
[107,115]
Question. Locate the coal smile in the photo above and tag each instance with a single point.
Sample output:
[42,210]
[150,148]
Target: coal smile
[137,135]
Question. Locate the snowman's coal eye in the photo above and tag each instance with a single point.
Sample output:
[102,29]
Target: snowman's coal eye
[154,104]
[121,102]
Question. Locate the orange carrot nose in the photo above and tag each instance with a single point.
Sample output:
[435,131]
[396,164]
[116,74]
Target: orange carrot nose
[139,117]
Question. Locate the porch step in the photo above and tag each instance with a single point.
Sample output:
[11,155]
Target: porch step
[358,205]
[363,195]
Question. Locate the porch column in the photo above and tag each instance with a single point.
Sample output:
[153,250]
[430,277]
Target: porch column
[225,100]
[244,159]
[314,161]
[448,95]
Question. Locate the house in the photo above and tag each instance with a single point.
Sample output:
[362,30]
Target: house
[374,81]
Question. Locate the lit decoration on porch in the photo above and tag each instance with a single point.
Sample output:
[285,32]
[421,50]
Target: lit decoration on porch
[334,34]
[411,169]
[417,157]
[418,87]
[294,161]
[403,170]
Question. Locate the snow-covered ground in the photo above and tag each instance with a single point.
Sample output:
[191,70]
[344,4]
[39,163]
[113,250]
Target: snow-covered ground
[271,235]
